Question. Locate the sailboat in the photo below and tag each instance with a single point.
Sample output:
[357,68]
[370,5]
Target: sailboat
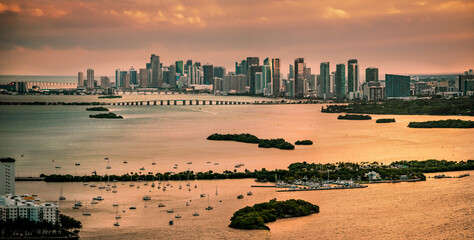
[153,163]
[117,216]
[61,197]
[195,214]
[108,165]
[216,190]
[208,205]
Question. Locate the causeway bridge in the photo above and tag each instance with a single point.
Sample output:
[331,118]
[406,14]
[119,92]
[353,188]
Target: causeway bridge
[180,102]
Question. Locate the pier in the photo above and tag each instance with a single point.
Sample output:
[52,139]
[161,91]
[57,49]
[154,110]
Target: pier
[181,102]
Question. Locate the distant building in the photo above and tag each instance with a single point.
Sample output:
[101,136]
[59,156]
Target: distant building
[179,67]
[219,72]
[397,86]
[145,75]
[217,86]
[104,82]
[208,74]
[80,79]
[117,79]
[352,76]
[276,78]
[372,176]
[123,79]
[267,79]
[21,87]
[133,77]
[299,78]
[259,83]
[371,74]
[465,83]
[7,176]
[90,78]
[251,61]
[325,80]
[234,83]
[253,82]
[156,75]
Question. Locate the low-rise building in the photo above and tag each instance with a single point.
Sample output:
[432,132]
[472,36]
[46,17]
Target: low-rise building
[13,207]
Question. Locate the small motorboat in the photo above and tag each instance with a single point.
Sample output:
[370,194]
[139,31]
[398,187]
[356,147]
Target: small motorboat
[240,196]
[177,216]
[116,224]
[249,193]
[170,211]
[146,198]
[161,205]
[98,198]
[132,208]
[195,214]
[171,222]
[86,214]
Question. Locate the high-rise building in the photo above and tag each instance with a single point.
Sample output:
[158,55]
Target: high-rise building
[208,74]
[90,78]
[219,72]
[259,83]
[253,82]
[291,73]
[104,82]
[340,79]
[144,77]
[179,67]
[397,86]
[325,80]
[156,76]
[80,79]
[352,76]
[117,79]
[465,83]
[133,77]
[276,79]
[126,80]
[172,76]
[238,68]
[7,176]
[123,79]
[251,61]
[371,74]
[217,86]
[234,83]
[299,78]
[267,80]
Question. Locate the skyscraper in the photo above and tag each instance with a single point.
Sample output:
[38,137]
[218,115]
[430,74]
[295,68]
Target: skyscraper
[144,77]
[291,73]
[299,78]
[156,77]
[208,74]
[179,67]
[250,62]
[325,80]
[7,176]
[352,76]
[90,78]
[133,76]
[371,74]
[104,82]
[397,86]
[122,79]
[219,72]
[340,81]
[80,79]
[276,80]
[172,76]
[267,79]
[253,81]
[117,79]
[238,68]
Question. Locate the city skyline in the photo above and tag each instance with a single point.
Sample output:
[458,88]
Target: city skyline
[402,37]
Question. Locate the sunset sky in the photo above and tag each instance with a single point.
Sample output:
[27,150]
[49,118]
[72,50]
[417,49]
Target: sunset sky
[51,37]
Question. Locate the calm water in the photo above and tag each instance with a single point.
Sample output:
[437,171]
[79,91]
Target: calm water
[32,78]
[437,208]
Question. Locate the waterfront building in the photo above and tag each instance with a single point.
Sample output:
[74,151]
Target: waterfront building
[90,78]
[332,83]
[156,74]
[352,76]
[325,80]
[117,79]
[397,86]
[238,68]
[465,83]
[208,74]
[251,72]
[7,176]
[179,67]
[217,85]
[126,80]
[267,79]
[144,77]
[291,72]
[133,77]
[376,93]
[104,82]
[299,81]
[80,79]
[13,207]
[259,83]
[219,71]
[234,83]
[122,79]
[371,74]
[276,77]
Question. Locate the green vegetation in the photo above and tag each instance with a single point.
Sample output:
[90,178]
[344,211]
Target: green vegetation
[450,123]
[97,109]
[345,171]
[256,216]
[385,120]
[110,96]
[279,143]
[304,142]
[461,106]
[354,117]
[105,115]
[24,228]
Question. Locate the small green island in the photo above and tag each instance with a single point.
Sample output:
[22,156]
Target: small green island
[106,115]
[279,143]
[256,216]
[450,123]
[304,142]
[354,117]
[98,109]
[110,96]
[385,120]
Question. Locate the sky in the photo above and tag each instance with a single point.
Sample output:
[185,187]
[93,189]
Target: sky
[62,37]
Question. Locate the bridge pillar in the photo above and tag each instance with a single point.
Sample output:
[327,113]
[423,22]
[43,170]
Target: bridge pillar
[175,102]
[184,102]
[226,102]
[222,102]
[128,103]
[154,102]
[197,102]
[169,102]
[203,102]
[141,103]
[161,102]
[210,102]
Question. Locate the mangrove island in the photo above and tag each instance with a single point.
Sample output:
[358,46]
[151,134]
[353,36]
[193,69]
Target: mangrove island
[279,143]
[450,123]
[354,117]
[106,115]
[256,216]
[304,142]
[98,109]
[385,120]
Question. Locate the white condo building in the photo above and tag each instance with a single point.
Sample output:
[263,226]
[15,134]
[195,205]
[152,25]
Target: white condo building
[26,206]
[7,176]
